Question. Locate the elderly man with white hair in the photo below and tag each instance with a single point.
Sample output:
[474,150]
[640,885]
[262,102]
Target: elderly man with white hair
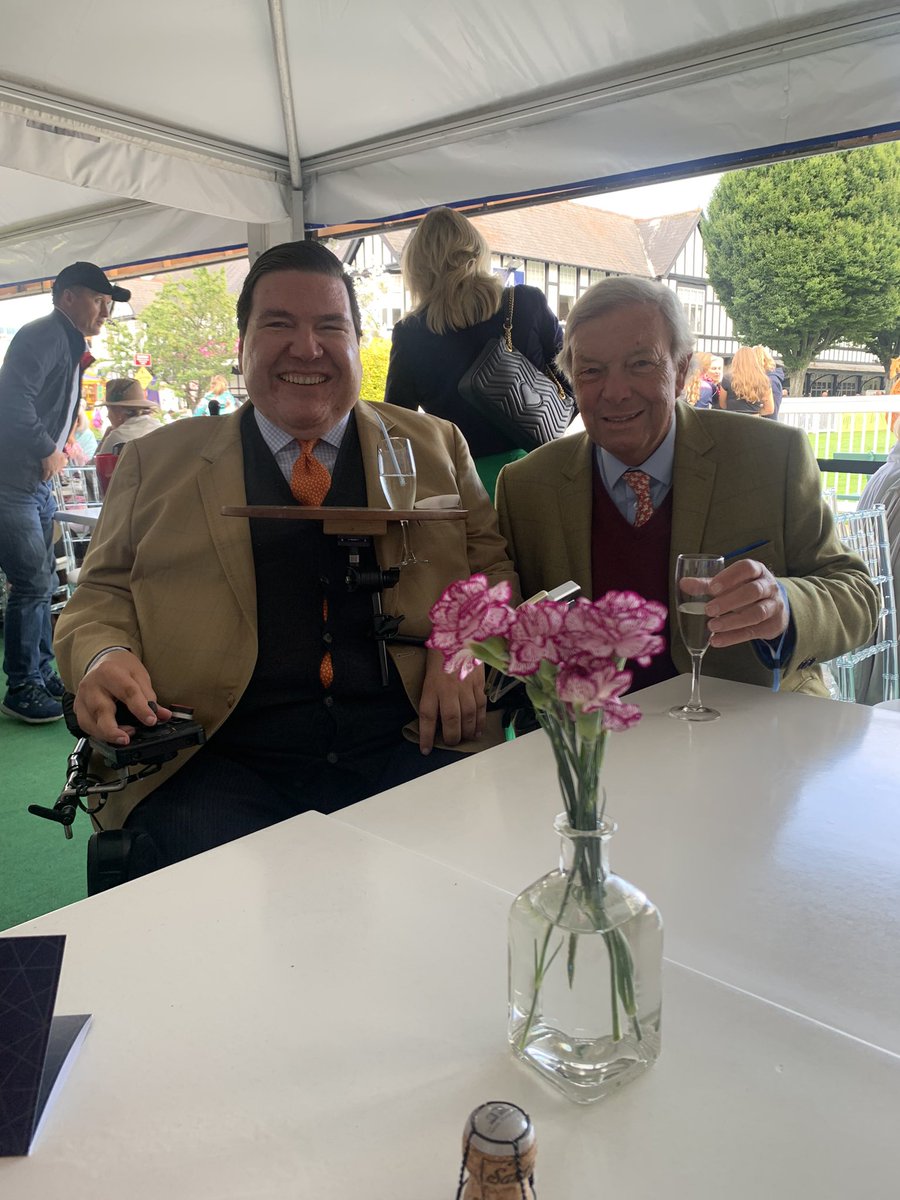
[650,479]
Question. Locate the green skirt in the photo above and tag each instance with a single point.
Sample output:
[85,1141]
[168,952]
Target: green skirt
[488,468]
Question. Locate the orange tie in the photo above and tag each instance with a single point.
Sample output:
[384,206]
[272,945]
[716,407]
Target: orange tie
[639,482]
[310,481]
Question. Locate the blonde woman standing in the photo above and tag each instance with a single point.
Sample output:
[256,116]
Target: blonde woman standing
[458,307]
[746,386]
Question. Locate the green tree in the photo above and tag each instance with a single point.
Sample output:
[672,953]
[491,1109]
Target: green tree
[374,354]
[885,345]
[805,254]
[189,329]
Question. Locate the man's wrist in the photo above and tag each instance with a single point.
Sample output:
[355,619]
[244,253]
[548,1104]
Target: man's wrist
[98,658]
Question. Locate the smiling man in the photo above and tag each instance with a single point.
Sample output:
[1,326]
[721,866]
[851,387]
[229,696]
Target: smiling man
[40,391]
[651,479]
[253,622]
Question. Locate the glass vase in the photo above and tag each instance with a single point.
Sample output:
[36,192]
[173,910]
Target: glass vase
[585,967]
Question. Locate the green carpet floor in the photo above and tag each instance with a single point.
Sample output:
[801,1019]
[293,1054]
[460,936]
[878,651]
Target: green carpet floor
[39,869]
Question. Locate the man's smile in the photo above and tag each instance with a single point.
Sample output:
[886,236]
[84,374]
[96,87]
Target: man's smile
[302,380]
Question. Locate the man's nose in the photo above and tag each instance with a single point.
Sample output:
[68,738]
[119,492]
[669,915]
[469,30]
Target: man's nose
[616,386]
[305,342]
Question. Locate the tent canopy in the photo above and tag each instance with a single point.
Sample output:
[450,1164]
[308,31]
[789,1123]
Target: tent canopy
[131,132]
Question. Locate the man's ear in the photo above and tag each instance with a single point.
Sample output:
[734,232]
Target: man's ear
[241,354]
[681,373]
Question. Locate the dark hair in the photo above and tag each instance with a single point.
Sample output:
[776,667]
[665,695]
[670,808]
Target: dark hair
[310,257]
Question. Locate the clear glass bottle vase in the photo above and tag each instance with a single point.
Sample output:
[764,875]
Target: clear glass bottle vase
[585,967]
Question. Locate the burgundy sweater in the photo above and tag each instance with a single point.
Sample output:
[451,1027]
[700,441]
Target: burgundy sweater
[625,558]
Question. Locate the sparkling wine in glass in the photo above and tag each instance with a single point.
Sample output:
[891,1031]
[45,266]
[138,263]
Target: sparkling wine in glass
[397,471]
[693,573]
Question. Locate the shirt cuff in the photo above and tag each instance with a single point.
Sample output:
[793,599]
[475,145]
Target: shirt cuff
[774,653]
[98,658]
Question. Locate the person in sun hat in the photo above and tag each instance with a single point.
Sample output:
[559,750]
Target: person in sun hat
[130,413]
[40,394]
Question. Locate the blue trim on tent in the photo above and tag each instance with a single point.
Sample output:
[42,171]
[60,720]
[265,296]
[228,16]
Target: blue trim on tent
[609,183]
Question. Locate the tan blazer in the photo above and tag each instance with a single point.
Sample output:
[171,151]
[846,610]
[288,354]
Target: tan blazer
[737,481]
[171,579]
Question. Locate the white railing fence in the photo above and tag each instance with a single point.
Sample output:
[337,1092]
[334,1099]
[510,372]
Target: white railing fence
[845,426]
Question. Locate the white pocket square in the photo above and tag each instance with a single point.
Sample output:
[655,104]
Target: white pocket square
[439,502]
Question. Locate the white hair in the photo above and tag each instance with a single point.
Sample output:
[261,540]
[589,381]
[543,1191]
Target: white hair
[619,291]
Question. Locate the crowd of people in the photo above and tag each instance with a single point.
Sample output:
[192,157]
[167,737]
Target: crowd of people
[752,384]
[272,648]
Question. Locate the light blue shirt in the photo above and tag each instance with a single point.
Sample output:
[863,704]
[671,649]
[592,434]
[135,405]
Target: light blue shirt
[286,449]
[659,466]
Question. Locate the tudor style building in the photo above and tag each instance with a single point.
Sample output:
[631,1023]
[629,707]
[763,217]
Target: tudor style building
[563,248]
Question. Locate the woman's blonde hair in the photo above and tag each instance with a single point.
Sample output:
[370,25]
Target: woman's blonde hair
[446,266]
[699,366]
[748,379]
[764,358]
[218,384]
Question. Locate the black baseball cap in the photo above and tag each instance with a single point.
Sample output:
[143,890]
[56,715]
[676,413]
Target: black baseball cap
[85,274]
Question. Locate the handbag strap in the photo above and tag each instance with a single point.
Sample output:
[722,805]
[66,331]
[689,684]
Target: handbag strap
[507,325]
[548,369]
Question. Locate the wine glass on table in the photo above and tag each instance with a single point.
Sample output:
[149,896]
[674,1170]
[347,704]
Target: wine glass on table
[693,573]
[397,471]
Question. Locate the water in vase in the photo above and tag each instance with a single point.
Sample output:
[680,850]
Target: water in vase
[585,982]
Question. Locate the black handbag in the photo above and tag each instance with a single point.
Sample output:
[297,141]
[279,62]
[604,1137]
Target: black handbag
[528,405]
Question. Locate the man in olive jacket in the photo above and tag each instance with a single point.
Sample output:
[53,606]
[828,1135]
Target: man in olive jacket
[612,508]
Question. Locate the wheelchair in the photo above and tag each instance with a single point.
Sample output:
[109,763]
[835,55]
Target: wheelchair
[116,856]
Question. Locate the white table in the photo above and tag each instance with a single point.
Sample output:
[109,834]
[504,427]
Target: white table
[314,1010]
[770,840]
[84,516]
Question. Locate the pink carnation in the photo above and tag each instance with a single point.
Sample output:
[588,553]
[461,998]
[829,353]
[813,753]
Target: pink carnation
[534,636]
[470,610]
[619,625]
[618,717]
[589,685]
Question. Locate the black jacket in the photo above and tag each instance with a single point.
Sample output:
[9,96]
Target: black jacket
[35,393]
[426,367]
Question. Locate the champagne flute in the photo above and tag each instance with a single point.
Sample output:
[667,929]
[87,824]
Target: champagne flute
[694,625]
[397,471]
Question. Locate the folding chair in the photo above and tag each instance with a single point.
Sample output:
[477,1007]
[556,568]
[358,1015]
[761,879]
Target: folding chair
[870,673]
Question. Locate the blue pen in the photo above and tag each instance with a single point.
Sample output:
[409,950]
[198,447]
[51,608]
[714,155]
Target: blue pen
[744,550]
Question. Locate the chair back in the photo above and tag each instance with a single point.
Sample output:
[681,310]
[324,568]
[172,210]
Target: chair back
[869,674]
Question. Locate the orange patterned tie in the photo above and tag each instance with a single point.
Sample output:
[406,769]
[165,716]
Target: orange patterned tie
[639,482]
[310,481]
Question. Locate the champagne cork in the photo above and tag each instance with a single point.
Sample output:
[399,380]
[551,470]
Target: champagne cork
[499,1150]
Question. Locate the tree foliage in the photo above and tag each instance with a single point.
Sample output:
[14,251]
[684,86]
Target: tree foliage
[375,354]
[806,254]
[189,329]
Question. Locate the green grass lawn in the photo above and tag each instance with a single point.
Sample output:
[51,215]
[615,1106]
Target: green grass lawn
[858,433]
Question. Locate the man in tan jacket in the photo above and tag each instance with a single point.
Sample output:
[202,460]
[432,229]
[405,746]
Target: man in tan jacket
[251,622]
[650,479]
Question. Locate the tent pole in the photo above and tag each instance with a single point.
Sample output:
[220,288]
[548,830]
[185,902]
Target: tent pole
[276,20]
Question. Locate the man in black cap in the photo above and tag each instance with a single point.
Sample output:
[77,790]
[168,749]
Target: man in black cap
[40,392]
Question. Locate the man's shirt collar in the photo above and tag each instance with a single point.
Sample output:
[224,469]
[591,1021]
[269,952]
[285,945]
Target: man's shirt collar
[277,438]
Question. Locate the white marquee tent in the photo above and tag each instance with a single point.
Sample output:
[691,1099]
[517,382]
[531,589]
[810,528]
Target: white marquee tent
[131,131]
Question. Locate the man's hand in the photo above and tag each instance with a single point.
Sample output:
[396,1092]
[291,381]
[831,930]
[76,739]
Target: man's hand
[119,676]
[746,603]
[53,464]
[459,704]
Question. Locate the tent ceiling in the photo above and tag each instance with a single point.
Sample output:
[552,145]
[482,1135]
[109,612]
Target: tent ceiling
[126,128]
